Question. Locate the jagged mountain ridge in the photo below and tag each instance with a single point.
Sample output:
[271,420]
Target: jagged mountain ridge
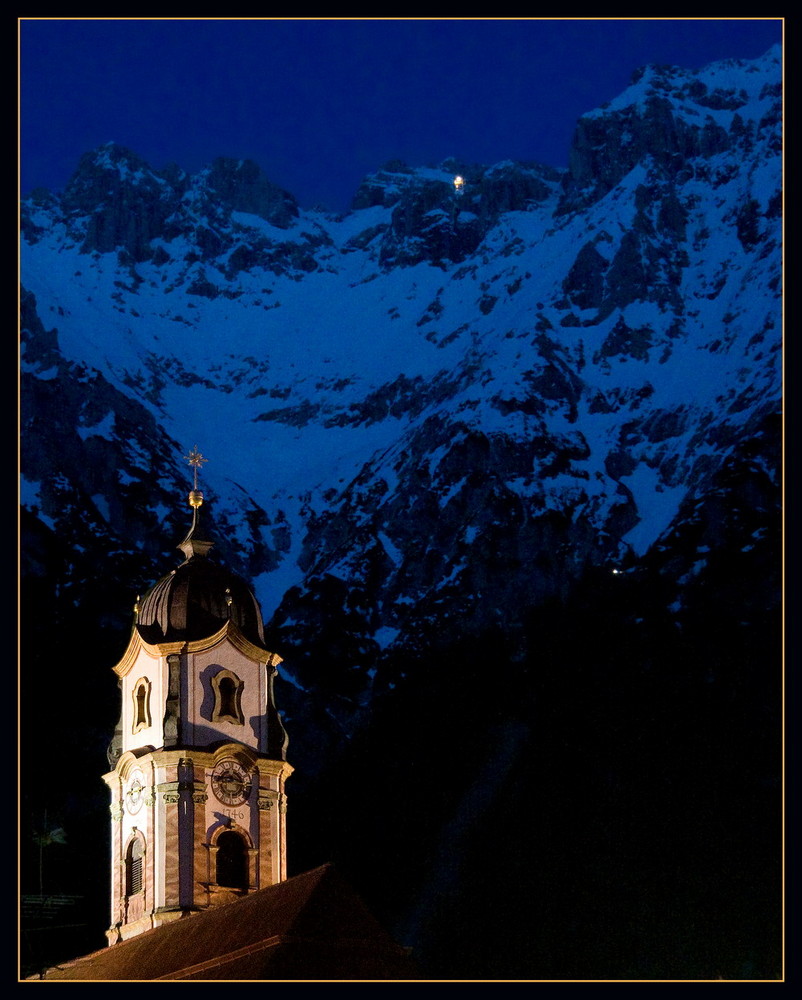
[548,361]
[430,420]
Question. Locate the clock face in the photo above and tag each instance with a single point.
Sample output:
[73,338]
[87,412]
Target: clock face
[231,783]
[135,792]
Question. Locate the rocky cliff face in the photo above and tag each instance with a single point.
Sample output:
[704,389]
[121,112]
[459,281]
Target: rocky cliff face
[476,450]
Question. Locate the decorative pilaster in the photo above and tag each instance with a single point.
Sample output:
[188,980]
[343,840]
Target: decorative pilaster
[267,807]
[117,871]
[282,837]
[169,848]
[172,713]
[186,826]
[149,830]
[200,861]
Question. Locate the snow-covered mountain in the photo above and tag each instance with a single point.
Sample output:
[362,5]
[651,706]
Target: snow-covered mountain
[432,421]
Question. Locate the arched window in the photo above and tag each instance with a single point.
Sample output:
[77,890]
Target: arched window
[134,862]
[227,688]
[228,697]
[232,861]
[141,696]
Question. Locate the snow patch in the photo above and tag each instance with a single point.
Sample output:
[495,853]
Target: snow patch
[103,428]
[656,503]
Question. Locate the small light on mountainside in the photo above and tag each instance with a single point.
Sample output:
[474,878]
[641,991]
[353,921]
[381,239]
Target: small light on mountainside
[459,183]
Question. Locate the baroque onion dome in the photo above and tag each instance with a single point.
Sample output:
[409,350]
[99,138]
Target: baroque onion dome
[197,598]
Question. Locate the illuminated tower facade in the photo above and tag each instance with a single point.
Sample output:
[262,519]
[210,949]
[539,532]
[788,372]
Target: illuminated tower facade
[198,806]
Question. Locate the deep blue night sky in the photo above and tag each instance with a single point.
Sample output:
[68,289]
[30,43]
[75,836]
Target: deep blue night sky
[320,103]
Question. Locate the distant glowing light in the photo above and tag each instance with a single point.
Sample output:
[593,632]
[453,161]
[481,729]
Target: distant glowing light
[458,184]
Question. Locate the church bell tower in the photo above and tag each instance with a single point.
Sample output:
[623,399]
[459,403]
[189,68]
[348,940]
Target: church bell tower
[198,807]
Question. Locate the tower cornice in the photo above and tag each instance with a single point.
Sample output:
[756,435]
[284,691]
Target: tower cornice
[206,758]
[230,631]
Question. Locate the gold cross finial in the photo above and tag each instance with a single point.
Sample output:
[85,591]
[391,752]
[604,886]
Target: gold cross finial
[196,460]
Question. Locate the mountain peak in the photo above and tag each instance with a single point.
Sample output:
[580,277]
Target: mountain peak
[243,186]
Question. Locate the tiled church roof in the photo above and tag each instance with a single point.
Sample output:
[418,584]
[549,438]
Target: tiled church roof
[313,926]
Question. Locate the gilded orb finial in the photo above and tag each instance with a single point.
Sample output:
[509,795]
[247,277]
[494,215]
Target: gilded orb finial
[196,460]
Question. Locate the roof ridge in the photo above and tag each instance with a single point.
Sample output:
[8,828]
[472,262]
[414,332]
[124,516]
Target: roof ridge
[320,872]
